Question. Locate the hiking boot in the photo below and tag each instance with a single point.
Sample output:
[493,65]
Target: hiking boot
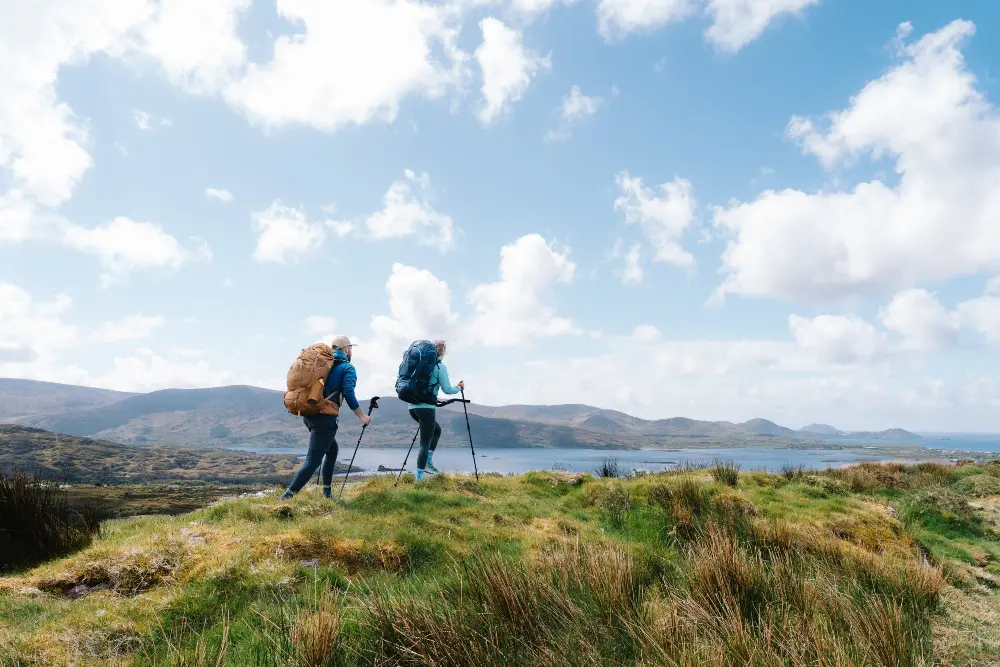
[327,493]
[431,469]
[286,495]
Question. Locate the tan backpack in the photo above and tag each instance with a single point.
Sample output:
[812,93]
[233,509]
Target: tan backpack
[305,380]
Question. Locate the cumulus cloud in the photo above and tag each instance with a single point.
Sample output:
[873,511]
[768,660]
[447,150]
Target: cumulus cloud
[285,234]
[838,339]
[124,245]
[408,212]
[617,18]
[982,314]
[923,322]
[30,328]
[575,108]
[507,68]
[419,307]
[736,23]
[516,309]
[194,42]
[936,223]
[350,63]
[662,219]
[121,245]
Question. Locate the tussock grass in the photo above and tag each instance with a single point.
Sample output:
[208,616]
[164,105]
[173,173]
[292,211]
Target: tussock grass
[37,522]
[726,472]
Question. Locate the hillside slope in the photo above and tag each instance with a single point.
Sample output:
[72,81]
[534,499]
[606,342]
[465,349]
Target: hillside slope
[539,569]
[73,459]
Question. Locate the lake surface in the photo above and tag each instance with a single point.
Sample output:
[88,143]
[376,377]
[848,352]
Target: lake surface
[523,459]
[975,442]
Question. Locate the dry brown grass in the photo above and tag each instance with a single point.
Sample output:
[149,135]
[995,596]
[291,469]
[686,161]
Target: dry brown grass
[354,555]
[316,631]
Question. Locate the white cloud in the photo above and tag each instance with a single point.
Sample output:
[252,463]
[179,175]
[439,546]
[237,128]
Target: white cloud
[31,329]
[351,62]
[617,18]
[938,222]
[419,308]
[195,42]
[836,339]
[121,245]
[124,245]
[575,107]
[405,214]
[42,142]
[131,327]
[736,23]
[923,322]
[532,8]
[507,68]
[663,220]
[514,310]
[285,233]
[147,371]
[982,315]
[222,195]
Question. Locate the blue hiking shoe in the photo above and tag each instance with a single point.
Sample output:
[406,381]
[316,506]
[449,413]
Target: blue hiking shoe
[431,469]
[327,493]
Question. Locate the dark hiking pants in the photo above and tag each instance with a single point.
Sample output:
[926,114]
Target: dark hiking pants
[430,432]
[322,449]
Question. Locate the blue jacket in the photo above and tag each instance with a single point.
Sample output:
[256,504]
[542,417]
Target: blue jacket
[342,378]
[439,379]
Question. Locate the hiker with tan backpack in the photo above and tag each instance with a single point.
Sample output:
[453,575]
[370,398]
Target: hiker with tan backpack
[318,383]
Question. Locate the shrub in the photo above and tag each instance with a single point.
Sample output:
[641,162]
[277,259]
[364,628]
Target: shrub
[726,472]
[39,523]
[609,468]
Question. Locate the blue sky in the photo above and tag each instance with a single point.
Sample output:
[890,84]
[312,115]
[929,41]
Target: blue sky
[190,192]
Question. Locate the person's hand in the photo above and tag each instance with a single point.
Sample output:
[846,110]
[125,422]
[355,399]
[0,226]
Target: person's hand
[461,384]
[366,420]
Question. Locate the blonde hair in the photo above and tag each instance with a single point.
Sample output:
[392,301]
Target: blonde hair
[440,347]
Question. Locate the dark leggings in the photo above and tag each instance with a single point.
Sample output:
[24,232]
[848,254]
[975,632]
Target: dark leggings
[430,432]
[322,447]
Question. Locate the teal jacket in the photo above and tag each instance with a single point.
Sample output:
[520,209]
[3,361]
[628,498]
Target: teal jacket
[439,378]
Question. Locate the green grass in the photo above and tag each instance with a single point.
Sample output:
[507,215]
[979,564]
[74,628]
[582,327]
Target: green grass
[870,565]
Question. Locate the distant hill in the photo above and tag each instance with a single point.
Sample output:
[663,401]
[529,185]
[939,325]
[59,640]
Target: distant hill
[820,429]
[77,460]
[246,416]
[22,398]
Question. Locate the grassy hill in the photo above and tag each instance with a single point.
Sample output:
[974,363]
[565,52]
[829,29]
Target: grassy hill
[251,416]
[870,565]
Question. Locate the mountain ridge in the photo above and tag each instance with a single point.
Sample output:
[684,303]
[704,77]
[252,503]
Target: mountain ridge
[249,416]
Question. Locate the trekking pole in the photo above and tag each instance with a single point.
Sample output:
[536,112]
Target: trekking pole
[469,429]
[400,475]
[371,406]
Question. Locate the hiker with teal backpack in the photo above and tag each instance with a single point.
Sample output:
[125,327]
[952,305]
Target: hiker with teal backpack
[421,375]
